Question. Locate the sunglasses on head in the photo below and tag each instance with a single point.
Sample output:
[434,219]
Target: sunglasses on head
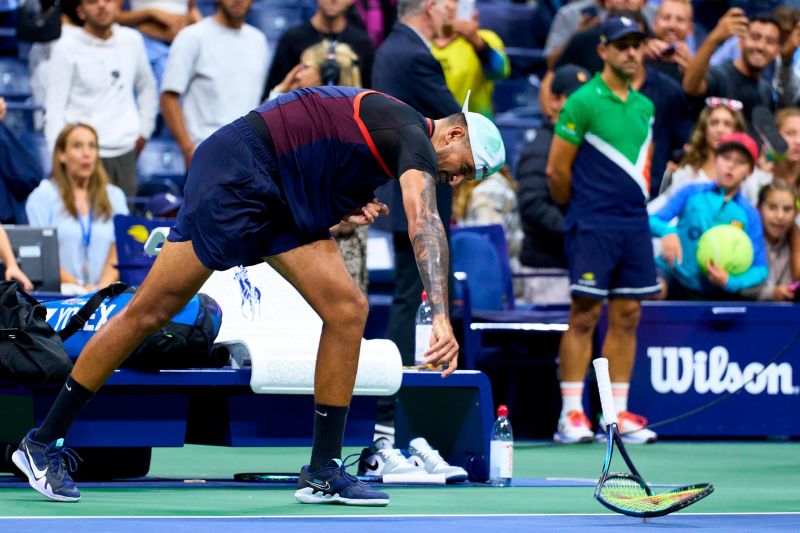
[728,103]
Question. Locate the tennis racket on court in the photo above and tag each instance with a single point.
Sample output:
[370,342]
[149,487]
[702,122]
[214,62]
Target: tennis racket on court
[628,493]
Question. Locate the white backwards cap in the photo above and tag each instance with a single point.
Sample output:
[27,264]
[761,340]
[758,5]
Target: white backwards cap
[488,151]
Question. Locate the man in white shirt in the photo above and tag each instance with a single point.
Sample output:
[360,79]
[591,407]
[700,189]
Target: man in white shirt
[101,76]
[218,68]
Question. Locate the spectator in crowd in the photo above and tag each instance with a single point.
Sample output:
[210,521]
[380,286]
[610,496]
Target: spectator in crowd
[740,79]
[8,262]
[159,22]
[668,51]
[701,206]
[215,73]
[777,204]
[376,17]
[472,59]
[673,115]
[597,163]
[98,71]
[581,15]
[492,201]
[542,219]
[81,203]
[329,22]
[783,73]
[405,69]
[20,173]
[719,118]
[787,168]
[40,53]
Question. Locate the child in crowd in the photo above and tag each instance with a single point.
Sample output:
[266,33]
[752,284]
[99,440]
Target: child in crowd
[701,206]
[719,118]
[778,208]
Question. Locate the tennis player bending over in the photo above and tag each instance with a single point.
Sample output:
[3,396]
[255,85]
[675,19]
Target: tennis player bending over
[268,187]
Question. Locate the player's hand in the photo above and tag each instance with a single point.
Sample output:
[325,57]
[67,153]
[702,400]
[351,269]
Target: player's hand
[14,273]
[782,293]
[444,347]
[733,22]
[716,275]
[367,214]
[671,250]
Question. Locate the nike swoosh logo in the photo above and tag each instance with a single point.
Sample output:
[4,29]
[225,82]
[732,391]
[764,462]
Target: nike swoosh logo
[320,414]
[371,466]
[38,474]
[326,486]
[68,387]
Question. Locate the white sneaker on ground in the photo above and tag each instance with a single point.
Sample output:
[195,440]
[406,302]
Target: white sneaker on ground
[382,459]
[423,455]
[631,428]
[573,428]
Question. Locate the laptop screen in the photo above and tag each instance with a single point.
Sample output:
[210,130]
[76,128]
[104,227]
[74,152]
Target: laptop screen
[36,250]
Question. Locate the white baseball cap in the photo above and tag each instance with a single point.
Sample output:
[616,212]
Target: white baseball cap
[488,151]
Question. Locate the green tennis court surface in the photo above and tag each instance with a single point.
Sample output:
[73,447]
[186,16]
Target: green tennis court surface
[748,477]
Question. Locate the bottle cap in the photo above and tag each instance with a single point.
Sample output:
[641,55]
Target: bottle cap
[502,410]
[424,296]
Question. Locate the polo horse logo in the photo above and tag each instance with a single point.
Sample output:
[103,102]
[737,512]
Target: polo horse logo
[251,296]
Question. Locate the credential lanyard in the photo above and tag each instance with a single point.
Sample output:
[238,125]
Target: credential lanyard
[86,239]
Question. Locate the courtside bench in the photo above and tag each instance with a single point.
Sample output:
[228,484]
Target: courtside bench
[140,410]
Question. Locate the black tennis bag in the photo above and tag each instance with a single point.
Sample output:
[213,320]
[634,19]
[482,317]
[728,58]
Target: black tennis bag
[31,352]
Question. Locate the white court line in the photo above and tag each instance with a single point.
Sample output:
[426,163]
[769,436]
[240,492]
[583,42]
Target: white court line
[295,517]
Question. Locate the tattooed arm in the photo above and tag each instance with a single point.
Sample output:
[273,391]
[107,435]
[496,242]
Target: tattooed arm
[429,241]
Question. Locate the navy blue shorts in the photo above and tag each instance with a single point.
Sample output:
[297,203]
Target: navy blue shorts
[611,263]
[234,212]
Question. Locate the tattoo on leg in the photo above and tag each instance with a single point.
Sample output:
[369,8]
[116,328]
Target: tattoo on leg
[430,249]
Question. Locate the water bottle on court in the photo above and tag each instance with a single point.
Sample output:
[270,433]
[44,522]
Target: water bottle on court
[424,327]
[501,452]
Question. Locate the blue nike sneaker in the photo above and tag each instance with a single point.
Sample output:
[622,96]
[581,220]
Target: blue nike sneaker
[47,467]
[332,484]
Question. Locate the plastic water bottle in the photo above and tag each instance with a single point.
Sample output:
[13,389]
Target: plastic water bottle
[501,463]
[424,327]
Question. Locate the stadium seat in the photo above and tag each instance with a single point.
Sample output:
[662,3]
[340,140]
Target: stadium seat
[131,232]
[274,17]
[514,23]
[15,79]
[484,287]
[9,5]
[38,142]
[518,127]
[162,160]
[515,92]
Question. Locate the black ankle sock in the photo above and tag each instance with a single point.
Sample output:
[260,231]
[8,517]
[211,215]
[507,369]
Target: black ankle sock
[65,409]
[329,424]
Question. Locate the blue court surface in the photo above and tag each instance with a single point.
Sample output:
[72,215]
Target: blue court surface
[404,523]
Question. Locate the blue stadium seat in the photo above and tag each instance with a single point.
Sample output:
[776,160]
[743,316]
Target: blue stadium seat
[15,79]
[39,143]
[161,159]
[518,127]
[9,5]
[515,24]
[274,17]
[515,92]
[131,233]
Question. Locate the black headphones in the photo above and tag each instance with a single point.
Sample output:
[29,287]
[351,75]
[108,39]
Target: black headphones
[329,71]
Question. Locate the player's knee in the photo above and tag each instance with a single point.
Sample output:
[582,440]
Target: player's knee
[147,319]
[625,315]
[583,318]
[350,309]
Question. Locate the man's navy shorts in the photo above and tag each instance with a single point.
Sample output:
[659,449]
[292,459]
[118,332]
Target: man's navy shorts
[611,262]
[234,212]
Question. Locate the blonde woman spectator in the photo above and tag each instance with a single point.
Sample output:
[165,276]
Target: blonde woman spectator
[81,203]
[720,117]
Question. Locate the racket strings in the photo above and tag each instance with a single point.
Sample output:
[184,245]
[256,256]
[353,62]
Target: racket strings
[627,494]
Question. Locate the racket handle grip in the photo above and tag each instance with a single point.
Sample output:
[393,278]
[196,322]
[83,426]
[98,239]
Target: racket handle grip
[604,387]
